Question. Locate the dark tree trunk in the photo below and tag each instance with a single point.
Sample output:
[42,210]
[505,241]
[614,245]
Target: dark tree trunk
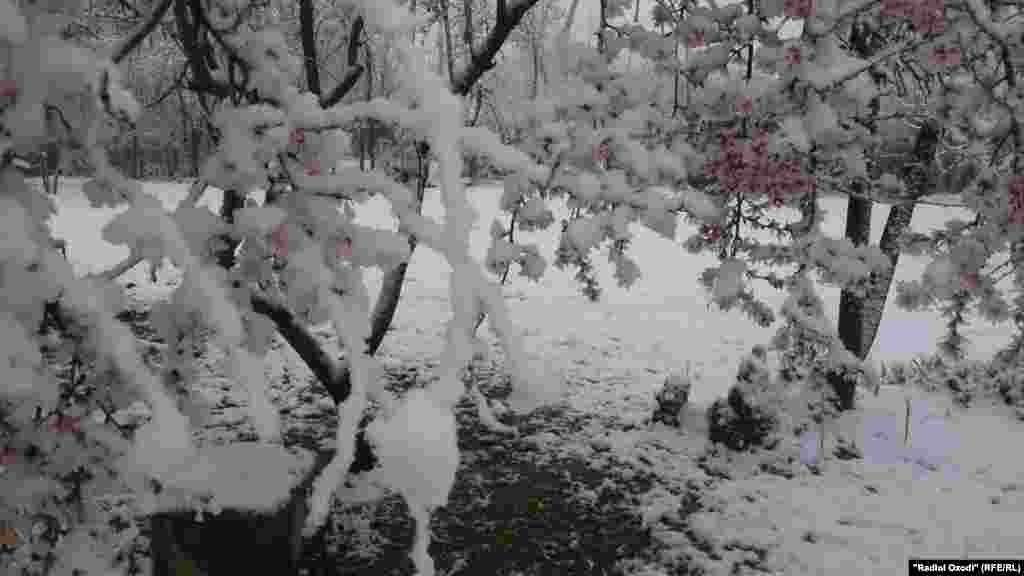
[233,201]
[196,162]
[307,24]
[851,305]
[136,159]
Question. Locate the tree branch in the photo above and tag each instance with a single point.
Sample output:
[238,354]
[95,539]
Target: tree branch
[122,50]
[482,59]
[355,69]
[328,372]
[343,87]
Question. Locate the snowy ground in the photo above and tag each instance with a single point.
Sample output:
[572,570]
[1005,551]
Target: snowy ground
[947,493]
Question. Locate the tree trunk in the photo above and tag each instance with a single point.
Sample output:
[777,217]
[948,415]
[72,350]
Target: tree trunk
[308,36]
[896,224]
[136,160]
[196,162]
[233,201]
[859,318]
[851,305]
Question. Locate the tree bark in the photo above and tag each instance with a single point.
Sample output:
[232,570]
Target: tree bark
[851,305]
[307,27]
[195,143]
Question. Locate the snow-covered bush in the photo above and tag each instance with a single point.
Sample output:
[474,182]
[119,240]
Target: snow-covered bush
[749,415]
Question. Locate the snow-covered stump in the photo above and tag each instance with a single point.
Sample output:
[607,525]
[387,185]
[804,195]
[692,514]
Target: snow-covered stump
[246,536]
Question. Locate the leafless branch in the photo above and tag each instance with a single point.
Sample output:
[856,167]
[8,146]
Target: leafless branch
[482,60]
[355,70]
[329,372]
[122,50]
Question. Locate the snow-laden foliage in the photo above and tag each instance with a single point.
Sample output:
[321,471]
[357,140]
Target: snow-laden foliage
[730,126]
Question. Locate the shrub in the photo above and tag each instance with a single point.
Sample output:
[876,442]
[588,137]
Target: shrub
[749,415]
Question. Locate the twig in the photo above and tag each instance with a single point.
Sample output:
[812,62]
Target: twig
[906,423]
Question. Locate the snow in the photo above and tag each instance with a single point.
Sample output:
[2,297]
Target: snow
[946,492]
[868,516]
[243,476]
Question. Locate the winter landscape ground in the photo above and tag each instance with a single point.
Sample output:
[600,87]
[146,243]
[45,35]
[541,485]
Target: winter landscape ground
[588,487]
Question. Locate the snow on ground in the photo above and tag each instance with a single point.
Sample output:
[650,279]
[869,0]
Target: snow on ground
[949,492]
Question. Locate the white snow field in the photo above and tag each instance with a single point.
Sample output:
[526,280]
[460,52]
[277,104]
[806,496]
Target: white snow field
[953,491]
